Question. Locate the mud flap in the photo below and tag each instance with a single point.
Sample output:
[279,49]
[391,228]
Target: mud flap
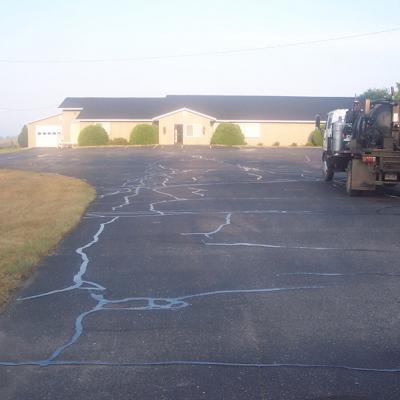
[362,176]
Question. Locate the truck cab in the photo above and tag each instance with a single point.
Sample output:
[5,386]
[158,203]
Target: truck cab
[333,117]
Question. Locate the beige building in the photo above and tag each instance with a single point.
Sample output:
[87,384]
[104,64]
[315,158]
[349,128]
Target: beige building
[188,120]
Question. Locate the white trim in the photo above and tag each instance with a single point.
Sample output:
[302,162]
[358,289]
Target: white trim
[112,120]
[183,109]
[42,119]
[71,108]
[265,121]
[234,121]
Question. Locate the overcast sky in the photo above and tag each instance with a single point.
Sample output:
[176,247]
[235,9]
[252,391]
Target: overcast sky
[70,30]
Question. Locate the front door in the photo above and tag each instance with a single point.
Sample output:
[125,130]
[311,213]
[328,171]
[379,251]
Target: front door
[178,129]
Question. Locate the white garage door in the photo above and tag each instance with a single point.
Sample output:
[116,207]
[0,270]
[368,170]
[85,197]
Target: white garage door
[48,135]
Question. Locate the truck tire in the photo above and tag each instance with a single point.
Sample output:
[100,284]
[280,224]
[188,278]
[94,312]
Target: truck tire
[327,169]
[350,191]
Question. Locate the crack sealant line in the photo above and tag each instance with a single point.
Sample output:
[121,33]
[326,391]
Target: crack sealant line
[174,199]
[126,198]
[173,303]
[245,182]
[337,274]
[272,246]
[159,212]
[196,363]
[75,337]
[142,214]
[85,259]
[77,279]
[154,304]
[124,191]
[197,191]
[209,234]
[258,176]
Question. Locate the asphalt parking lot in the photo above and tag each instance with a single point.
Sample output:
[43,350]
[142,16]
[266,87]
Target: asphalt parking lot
[209,274]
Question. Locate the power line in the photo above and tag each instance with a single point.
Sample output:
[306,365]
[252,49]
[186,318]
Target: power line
[205,53]
[27,109]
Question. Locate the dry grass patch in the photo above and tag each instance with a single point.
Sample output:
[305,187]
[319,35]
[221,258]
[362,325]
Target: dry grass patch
[36,211]
[10,149]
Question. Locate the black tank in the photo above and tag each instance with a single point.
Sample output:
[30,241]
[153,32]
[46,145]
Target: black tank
[370,129]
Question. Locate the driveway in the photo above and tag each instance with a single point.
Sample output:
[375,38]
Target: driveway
[209,274]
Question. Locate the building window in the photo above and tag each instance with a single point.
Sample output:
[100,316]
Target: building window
[204,130]
[164,130]
[189,130]
[194,130]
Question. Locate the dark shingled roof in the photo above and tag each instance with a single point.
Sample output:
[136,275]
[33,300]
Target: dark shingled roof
[230,108]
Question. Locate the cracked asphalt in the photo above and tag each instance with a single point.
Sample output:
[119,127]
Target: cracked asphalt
[204,273]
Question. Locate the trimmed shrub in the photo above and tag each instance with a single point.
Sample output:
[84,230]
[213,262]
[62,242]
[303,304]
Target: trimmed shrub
[144,134]
[93,135]
[228,135]
[23,137]
[316,138]
[294,144]
[119,141]
[277,144]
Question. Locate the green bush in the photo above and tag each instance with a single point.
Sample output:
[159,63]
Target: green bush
[294,144]
[144,134]
[23,137]
[277,144]
[93,135]
[119,141]
[228,135]
[316,138]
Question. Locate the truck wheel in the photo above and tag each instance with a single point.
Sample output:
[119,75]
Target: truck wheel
[350,191]
[327,169]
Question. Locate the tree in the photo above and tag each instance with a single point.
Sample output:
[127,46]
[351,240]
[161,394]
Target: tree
[397,91]
[93,135]
[381,93]
[23,137]
[228,135]
[375,94]
[143,134]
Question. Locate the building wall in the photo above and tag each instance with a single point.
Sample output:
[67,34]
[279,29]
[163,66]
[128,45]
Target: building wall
[68,117]
[285,133]
[53,120]
[204,128]
[270,133]
[124,129]
[267,133]
[115,129]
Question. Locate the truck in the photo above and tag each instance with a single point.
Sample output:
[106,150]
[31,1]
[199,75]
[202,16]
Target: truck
[364,142]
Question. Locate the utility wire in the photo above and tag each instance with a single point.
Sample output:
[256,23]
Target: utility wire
[205,53]
[27,109]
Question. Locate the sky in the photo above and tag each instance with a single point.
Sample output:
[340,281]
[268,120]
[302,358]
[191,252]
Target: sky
[50,36]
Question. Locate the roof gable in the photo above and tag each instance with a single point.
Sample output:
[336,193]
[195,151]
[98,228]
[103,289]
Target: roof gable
[181,110]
